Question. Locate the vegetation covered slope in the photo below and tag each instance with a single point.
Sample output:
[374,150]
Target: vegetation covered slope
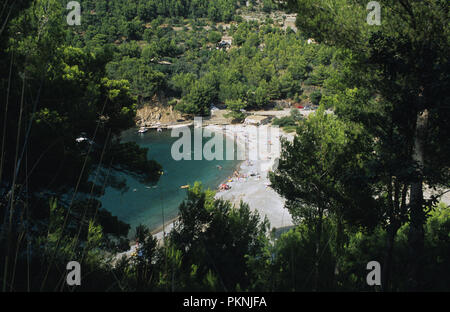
[177,57]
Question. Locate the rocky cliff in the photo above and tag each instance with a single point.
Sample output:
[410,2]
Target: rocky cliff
[158,115]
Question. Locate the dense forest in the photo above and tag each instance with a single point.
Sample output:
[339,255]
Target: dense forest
[354,181]
[267,63]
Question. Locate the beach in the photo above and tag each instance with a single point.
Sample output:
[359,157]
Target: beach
[260,148]
[252,186]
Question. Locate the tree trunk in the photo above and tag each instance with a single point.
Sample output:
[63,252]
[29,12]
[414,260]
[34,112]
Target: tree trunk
[339,246]
[417,213]
[387,265]
[317,253]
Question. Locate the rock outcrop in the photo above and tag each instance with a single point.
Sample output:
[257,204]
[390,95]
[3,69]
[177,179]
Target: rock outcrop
[158,115]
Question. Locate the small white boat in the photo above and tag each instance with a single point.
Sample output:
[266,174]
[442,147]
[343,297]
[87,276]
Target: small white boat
[83,139]
[142,130]
[159,130]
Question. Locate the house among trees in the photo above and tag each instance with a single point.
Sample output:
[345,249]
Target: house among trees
[255,120]
[223,45]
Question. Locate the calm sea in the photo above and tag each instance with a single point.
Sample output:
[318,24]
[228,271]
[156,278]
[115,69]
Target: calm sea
[150,205]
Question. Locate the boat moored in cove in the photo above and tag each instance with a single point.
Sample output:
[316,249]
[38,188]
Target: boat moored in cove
[142,130]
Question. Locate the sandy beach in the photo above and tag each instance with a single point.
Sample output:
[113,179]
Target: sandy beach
[262,150]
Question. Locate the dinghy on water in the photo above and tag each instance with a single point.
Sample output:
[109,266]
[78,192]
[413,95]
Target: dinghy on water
[142,130]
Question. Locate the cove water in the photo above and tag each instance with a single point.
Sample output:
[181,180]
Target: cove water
[153,205]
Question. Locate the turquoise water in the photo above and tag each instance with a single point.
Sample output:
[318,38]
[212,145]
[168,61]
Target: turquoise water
[150,205]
